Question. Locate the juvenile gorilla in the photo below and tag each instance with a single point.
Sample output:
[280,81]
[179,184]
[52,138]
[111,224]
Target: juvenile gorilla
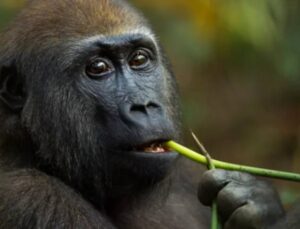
[86,101]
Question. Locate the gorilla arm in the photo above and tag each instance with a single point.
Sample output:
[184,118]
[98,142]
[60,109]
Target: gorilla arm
[31,199]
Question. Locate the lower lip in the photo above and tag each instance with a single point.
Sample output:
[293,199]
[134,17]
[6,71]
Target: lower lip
[166,154]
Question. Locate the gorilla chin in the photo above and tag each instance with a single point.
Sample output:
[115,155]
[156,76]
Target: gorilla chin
[141,166]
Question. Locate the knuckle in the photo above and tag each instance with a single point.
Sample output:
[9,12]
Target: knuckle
[210,185]
[241,177]
[247,216]
[214,176]
[232,197]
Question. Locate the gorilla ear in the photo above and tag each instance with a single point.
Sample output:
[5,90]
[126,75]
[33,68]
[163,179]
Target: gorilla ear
[11,88]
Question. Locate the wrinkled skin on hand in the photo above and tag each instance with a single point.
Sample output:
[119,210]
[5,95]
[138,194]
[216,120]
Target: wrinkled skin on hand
[244,202]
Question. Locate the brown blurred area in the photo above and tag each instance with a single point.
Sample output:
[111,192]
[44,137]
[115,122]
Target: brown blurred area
[238,67]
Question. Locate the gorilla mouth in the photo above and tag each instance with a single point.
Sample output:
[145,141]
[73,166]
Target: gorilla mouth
[153,147]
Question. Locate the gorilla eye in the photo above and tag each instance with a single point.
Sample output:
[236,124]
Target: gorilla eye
[98,67]
[139,59]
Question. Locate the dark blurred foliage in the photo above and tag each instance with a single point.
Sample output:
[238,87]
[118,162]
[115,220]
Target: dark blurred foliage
[238,67]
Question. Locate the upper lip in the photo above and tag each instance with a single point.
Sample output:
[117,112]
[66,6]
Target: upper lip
[150,143]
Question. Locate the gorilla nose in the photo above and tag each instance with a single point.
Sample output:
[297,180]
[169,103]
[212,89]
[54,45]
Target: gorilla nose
[142,114]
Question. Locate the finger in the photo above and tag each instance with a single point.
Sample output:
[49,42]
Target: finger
[210,184]
[232,197]
[214,180]
[247,217]
[239,177]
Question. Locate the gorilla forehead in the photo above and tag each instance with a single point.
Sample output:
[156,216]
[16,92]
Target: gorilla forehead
[49,21]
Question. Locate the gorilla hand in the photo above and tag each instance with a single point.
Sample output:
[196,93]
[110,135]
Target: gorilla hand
[243,201]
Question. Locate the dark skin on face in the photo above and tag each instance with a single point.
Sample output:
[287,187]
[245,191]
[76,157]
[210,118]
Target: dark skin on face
[86,100]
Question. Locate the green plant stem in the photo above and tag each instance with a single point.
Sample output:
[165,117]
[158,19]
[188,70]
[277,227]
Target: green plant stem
[230,166]
[210,165]
[214,216]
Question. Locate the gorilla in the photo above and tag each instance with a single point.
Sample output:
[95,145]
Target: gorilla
[87,99]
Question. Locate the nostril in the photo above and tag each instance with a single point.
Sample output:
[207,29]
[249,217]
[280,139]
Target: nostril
[144,109]
[152,105]
[138,108]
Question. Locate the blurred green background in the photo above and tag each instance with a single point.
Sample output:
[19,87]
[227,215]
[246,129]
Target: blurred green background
[238,67]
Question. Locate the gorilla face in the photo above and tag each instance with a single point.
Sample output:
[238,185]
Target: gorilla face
[125,81]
